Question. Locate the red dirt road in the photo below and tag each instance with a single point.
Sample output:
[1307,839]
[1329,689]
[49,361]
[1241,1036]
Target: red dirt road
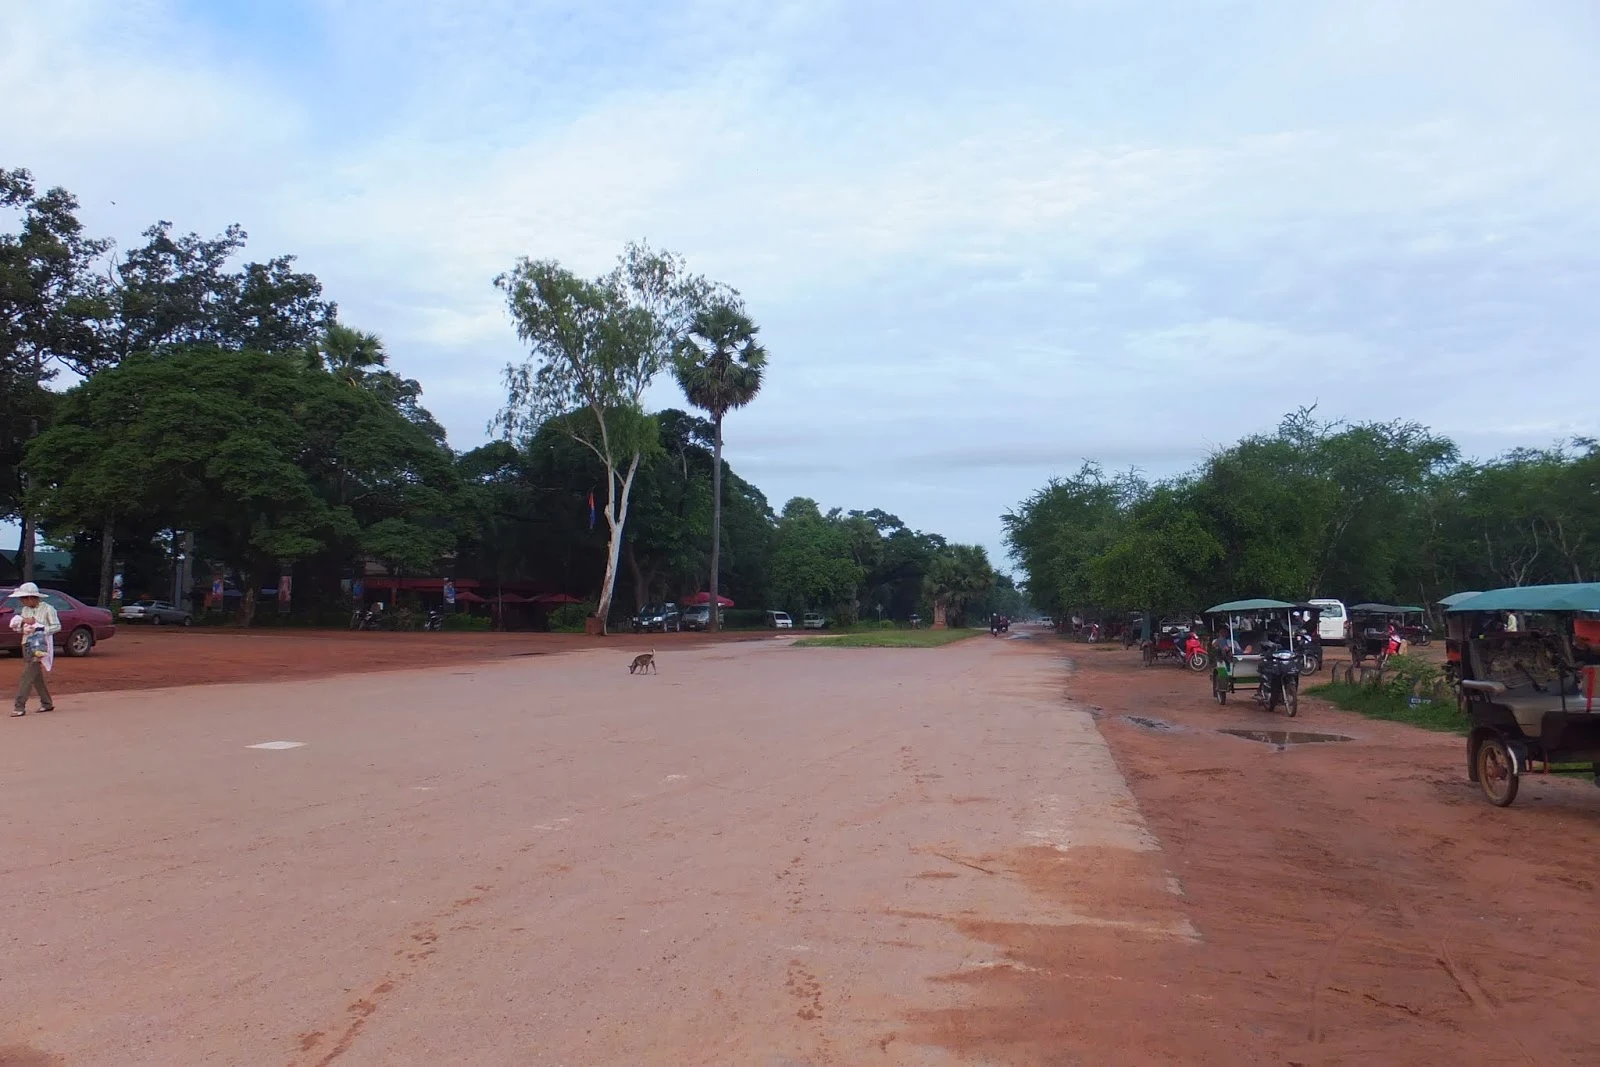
[149,657]
[774,856]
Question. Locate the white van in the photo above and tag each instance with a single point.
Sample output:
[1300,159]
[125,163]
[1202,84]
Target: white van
[779,620]
[1333,624]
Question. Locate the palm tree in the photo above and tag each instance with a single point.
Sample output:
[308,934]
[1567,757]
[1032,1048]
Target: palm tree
[957,576]
[353,355]
[719,365]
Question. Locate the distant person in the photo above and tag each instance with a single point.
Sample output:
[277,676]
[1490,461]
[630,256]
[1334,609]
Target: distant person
[38,624]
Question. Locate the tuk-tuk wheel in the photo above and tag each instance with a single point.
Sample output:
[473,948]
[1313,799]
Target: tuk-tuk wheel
[1497,774]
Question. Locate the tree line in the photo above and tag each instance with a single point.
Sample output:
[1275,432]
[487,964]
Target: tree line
[181,386]
[1371,511]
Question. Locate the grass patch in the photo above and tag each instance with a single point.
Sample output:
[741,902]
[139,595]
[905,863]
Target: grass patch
[888,639]
[1381,704]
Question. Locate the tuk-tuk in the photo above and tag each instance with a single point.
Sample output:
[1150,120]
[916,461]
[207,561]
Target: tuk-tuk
[1529,657]
[1371,638]
[1177,641]
[1452,646]
[1267,643]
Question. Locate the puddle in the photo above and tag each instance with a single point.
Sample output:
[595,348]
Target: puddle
[1284,738]
[1149,724]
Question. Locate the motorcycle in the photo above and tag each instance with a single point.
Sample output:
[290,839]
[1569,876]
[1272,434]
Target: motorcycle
[434,621]
[1195,654]
[1279,678]
[1309,651]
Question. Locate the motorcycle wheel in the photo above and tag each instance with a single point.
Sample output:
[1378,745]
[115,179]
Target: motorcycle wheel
[1148,655]
[1218,691]
[1291,696]
[1199,661]
[1424,637]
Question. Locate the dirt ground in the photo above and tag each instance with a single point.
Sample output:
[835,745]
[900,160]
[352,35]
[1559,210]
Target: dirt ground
[1021,852]
[150,657]
[1358,901]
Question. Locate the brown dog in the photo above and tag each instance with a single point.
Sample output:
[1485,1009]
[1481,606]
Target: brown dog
[644,663]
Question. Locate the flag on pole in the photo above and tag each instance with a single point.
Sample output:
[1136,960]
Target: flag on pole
[591,511]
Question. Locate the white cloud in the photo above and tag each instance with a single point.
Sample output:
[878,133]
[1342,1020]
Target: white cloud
[971,224]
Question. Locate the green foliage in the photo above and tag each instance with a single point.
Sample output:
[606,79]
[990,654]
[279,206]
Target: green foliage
[596,346]
[461,621]
[569,618]
[958,575]
[1405,675]
[269,460]
[812,566]
[1376,703]
[1366,511]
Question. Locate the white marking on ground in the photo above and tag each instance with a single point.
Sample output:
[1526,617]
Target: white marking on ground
[674,777]
[277,745]
[1100,810]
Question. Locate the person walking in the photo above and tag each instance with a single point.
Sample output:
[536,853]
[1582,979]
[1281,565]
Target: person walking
[38,624]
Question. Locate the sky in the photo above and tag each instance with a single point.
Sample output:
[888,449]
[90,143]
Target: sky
[984,242]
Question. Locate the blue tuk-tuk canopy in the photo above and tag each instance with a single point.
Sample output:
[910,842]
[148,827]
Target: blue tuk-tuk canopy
[1577,596]
[1455,598]
[1234,607]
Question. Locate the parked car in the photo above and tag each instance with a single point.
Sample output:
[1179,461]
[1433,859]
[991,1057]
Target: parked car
[82,626]
[1333,625]
[658,618]
[699,618]
[779,620]
[811,620]
[156,613]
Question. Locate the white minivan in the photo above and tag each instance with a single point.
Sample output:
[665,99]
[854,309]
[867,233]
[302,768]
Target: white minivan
[779,620]
[1333,624]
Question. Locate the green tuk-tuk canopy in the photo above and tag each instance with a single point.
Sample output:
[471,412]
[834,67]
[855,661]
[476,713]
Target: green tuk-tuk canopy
[1455,598]
[1584,596]
[1381,609]
[1234,607]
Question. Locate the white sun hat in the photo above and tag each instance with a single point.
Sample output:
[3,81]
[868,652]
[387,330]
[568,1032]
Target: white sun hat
[25,589]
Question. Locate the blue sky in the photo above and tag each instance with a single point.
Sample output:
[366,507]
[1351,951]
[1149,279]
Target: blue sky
[985,242]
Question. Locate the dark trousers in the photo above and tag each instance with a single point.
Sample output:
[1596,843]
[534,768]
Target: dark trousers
[33,678]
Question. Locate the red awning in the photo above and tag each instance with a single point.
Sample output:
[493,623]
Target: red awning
[555,598]
[705,598]
[467,596]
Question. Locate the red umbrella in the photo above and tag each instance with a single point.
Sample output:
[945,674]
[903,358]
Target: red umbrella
[555,598]
[705,598]
[467,596]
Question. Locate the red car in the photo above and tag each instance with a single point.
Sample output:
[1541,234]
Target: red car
[81,625]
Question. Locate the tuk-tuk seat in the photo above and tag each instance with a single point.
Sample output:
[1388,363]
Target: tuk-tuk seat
[1529,706]
[1246,667]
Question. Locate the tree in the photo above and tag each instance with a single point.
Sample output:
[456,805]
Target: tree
[812,565]
[173,292]
[719,365]
[596,345]
[958,576]
[51,303]
[269,460]
[358,359]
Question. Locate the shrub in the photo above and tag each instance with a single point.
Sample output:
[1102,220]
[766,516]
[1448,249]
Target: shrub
[471,623]
[1412,674]
[568,618]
